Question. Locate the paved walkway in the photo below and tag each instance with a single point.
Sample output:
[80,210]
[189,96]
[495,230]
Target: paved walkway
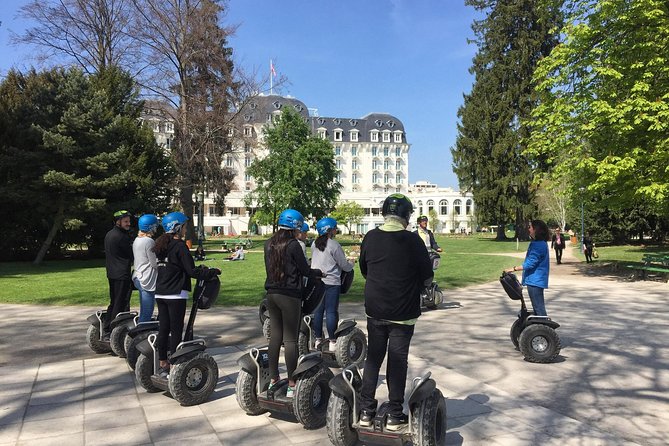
[609,386]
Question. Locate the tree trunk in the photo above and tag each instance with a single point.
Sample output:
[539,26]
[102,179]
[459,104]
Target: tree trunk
[57,224]
[186,202]
[501,235]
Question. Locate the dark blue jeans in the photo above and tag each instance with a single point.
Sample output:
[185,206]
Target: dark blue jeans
[329,306]
[146,301]
[385,336]
[537,298]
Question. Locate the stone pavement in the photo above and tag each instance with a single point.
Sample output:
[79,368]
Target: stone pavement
[608,387]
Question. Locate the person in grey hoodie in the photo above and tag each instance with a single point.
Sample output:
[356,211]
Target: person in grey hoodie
[145,274]
[328,256]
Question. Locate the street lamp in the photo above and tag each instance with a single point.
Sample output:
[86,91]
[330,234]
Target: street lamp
[582,224]
[200,219]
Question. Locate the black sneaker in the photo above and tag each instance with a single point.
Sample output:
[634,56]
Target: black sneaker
[366,418]
[395,423]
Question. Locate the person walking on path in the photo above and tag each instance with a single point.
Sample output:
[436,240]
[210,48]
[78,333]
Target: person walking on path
[286,268]
[328,256]
[558,243]
[396,267]
[536,266]
[118,260]
[146,266]
[588,247]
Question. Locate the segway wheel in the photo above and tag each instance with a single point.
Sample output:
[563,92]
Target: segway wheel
[117,340]
[193,380]
[515,332]
[312,391]
[351,348]
[302,343]
[428,420]
[93,340]
[131,352]
[539,343]
[266,329]
[143,372]
[246,394]
[339,421]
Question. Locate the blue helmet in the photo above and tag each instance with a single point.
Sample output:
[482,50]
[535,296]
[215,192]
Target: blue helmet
[173,222]
[325,224]
[290,219]
[305,227]
[148,223]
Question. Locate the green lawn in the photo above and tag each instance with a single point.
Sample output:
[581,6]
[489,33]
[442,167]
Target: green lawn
[466,261]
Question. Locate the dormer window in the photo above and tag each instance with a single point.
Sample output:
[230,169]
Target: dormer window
[276,104]
[386,136]
[374,136]
[336,121]
[253,105]
[398,137]
[391,123]
[248,130]
[338,134]
[247,118]
[353,122]
[321,121]
[378,123]
[299,107]
[322,133]
[354,135]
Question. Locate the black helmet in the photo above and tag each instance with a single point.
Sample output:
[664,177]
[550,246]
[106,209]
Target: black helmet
[397,204]
[421,218]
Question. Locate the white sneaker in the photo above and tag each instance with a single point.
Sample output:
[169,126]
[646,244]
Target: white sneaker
[333,346]
[318,343]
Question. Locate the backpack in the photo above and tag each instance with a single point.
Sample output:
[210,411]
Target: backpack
[511,285]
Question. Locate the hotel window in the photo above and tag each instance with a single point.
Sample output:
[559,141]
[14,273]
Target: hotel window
[228,161]
[398,165]
[247,161]
[398,178]
[321,134]
[398,151]
[354,178]
[337,150]
[374,136]
[354,164]
[338,163]
[457,207]
[231,131]
[386,136]
[468,207]
[375,150]
[354,150]
[375,164]
[398,137]
[420,207]
[338,177]
[386,151]
[354,136]
[386,178]
[430,205]
[247,130]
[247,177]
[375,178]
[338,135]
[247,148]
[169,127]
[386,165]
[443,207]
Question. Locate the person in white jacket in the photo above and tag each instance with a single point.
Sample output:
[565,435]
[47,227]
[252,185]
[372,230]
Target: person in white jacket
[145,274]
[328,256]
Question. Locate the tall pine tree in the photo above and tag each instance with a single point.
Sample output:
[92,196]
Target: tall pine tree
[488,155]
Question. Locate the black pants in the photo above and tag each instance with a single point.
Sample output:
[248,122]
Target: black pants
[119,299]
[588,254]
[171,314]
[284,325]
[558,256]
[395,338]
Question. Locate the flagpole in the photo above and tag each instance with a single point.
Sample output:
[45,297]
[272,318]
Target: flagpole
[271,76]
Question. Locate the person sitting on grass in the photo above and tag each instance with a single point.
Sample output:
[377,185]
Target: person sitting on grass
[200,254]
[239,254]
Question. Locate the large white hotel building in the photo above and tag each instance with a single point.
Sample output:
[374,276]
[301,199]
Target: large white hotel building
[371,154]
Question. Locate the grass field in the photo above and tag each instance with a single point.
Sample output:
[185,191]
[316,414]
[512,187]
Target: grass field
[466,260]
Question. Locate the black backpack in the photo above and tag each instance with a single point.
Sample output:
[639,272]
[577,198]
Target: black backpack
[511,285]
[206,291]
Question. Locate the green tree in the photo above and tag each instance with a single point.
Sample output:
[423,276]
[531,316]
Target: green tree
[488,156]
[434,219]
[349,213]
[70,154]
[298,172]
[603,122]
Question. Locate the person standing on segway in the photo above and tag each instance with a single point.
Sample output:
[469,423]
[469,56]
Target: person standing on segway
[176,267]
[118,259]
[536,266]
[146,265]
[426,235]
[286,266]
[396,267]
[328,256]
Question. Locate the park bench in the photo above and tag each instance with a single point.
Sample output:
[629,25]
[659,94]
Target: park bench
[656,264]
[246,243]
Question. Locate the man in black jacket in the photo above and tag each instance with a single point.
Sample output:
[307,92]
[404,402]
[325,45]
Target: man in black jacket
[118,259]
[558,244]
[396,266]
[426,235]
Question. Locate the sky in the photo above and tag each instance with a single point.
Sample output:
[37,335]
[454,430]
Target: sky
[348,58]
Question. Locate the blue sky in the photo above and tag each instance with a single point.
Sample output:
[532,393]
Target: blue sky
[347,58]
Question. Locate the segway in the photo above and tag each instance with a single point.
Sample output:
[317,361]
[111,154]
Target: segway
[134,336]
[427,414]
[309,402]
[431,296]
[193,372]
[120,326]
[534,336]
[95,336]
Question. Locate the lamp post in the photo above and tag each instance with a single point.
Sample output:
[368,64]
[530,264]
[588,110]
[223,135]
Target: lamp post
[582,224]
[200,218]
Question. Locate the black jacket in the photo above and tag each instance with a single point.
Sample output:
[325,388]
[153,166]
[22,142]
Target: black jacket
[395,266]
[558,244]
[433,242]
[175,269]
[295,268]
[118,254]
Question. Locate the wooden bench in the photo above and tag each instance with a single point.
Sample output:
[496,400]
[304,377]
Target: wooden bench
[657,264]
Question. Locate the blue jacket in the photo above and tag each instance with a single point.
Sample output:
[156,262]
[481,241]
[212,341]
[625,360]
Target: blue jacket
[536,265]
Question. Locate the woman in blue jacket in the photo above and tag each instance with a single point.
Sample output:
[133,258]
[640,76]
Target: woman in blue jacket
[536,267]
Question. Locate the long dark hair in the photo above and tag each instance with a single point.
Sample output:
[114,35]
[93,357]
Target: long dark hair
[161,244]
[276,252]
[322,241]
[541,231]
